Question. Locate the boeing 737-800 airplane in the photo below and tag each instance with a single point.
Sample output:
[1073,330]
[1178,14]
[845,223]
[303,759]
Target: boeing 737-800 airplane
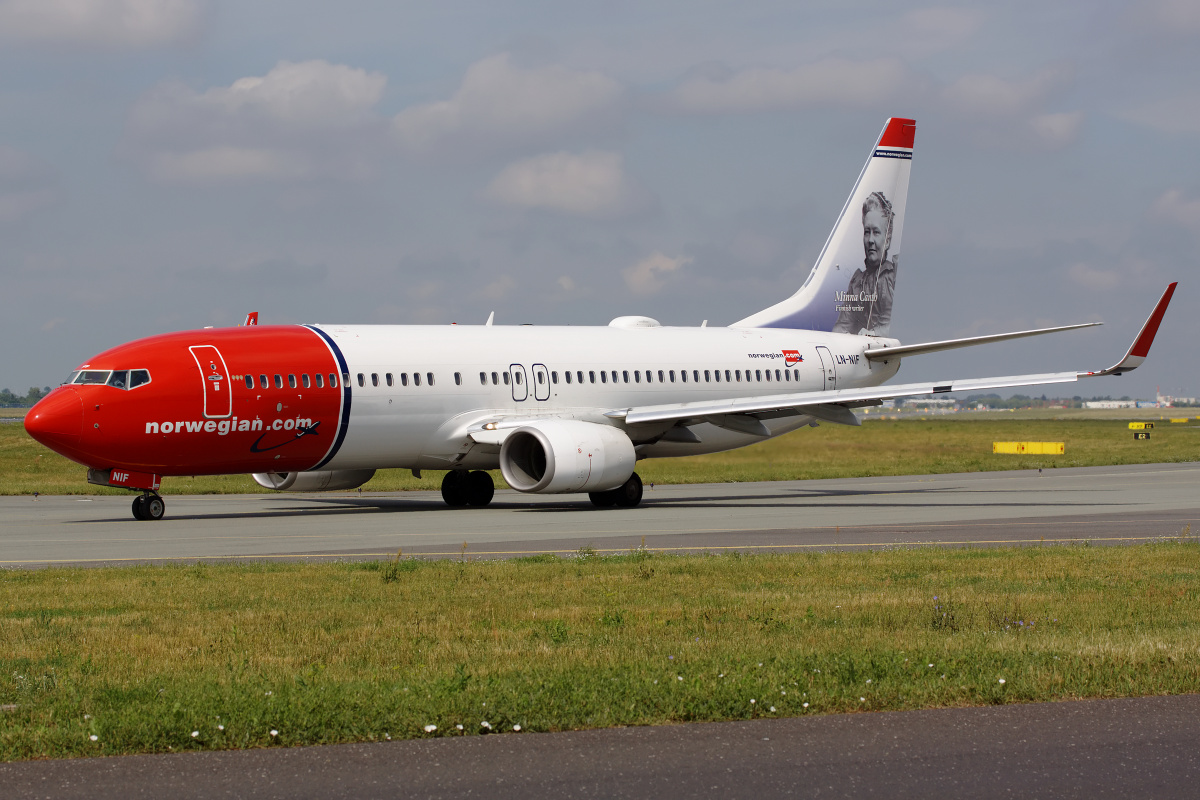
[557,410]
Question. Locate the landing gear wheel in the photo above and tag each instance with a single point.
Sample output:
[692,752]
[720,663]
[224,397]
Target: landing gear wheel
[454,488]
[603,499]
[139,508]
[155,507]
[479,488]
[629,494]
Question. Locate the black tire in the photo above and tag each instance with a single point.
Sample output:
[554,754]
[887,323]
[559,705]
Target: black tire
[603,499]
[629,494]
[155,507]
[480,488]
[454,488]
[139,508]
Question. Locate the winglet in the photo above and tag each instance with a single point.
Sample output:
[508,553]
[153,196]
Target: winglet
[1141,345]
[251,318]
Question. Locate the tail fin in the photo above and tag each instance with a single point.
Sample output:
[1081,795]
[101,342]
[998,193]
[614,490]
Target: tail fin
[851,287]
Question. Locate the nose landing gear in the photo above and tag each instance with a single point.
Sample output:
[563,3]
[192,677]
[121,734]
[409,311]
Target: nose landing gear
[148,506]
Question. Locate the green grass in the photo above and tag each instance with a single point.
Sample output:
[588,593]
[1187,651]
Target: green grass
[142,657]
[879,447]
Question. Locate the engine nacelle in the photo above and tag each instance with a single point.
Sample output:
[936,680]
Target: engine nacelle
[319,481]
[557,456]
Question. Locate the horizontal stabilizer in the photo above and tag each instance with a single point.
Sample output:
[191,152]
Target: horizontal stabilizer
[899,351]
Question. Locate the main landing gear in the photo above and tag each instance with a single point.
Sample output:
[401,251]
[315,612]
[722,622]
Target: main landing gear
[627,495]
[460,488]
[148,506]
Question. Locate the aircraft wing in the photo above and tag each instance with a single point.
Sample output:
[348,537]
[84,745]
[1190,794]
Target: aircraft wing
[834,405]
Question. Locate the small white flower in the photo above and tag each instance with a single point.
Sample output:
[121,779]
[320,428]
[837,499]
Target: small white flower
[772,709]
[931,666]
[195,734]
[430,728]
[94,737]
[862,699]
[868,680]
[1002,680]
[752,701]
[387,736]
[678,677]
[220,727]
[722,675]
[274,732]
[267,694]
[87,716]
[656,682]
[516,727]
[485,724]
[459,726]
[760,663]
[806,705]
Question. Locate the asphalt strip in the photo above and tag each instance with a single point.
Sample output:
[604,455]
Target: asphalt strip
[1136,747]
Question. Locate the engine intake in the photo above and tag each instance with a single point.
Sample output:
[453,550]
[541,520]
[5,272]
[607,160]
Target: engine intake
[559,456]
[319,481]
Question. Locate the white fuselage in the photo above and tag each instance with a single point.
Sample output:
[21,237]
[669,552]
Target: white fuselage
[483,373]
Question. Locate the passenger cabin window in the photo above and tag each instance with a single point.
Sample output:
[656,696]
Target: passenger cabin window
[603,376]
[758,374]
[262,381]
[768,375]
[483,379]
[304,380]
[728,376]
[494,377]
[649,376]
[278,381]
[579,376]
[672,374]
[591,376]
[683,375]
[416,379]
[787,374]
[567,375]
[553,377]
[404,379]
[660,377]
[320,379]
[333,380]
[506,379]
[361,381]
[458,379]
[249,381]
[345,379]
[625,376]
[388,378]
[292,381]
[518,377]
[695,376]
[429,377]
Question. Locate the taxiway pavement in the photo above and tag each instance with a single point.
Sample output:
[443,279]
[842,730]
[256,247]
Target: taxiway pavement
[1142,747]
[1103,505]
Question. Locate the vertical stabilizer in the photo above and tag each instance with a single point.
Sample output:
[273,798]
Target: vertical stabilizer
[851,287]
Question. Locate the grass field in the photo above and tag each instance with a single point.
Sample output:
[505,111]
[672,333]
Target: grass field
[158,658]
[961,443]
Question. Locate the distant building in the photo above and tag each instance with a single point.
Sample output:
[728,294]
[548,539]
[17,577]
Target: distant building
[1110,404]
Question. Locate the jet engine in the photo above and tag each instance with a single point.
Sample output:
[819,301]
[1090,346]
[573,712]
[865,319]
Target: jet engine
[319,481]
[557,456]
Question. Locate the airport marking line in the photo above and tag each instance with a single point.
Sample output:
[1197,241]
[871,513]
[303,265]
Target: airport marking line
[697,548]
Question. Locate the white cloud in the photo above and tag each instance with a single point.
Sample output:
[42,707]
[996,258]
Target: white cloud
[1175,208]
[1057,130]
[590,184]
[107,23]
[651,274]
[500,105]
[991,95]
[1090,277]
[26,185]
[834,82]
[300,120]
[1174,115]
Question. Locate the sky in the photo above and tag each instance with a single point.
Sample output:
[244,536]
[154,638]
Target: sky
[174,164]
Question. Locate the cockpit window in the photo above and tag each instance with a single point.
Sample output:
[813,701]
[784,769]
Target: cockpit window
[119,379]
[137,377]
[91,376]
[71,378]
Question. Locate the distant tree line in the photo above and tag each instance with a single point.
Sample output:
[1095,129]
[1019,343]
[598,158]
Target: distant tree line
[8,399]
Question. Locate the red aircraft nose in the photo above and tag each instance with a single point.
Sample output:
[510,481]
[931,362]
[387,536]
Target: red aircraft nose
[57,419]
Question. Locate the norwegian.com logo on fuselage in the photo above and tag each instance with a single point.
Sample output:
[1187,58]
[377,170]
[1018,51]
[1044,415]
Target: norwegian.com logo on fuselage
[792,357]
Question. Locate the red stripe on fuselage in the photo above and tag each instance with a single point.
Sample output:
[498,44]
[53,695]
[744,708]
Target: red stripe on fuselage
[161,427]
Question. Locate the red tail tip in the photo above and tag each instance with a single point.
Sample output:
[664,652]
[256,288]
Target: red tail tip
[899,133]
